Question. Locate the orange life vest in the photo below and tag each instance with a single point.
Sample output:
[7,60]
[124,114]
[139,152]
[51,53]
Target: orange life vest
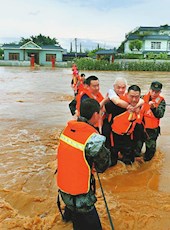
[80,86]
[150,121]
[124,123]
[98,97]
[74,173]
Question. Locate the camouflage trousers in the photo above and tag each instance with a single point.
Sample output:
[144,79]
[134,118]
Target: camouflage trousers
[149,137]
[150,142]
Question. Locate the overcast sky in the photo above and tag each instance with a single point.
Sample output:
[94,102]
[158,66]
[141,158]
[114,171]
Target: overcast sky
[101,20]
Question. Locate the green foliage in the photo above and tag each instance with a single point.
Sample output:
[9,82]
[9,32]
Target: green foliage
[1,52]
[163,56]
[91,64]
[129,56]
[92,53]
[151,55]
[142,34]
[135,44]
[39,40]
[131,45]
[138,44]
[166,25]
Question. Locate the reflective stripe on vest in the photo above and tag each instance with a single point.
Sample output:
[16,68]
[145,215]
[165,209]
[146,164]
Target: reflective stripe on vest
[72,142]
[74,172]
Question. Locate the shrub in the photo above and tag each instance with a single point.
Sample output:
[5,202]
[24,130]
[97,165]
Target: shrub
[91,64]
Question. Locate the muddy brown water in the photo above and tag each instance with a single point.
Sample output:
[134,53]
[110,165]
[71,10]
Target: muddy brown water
[33,111]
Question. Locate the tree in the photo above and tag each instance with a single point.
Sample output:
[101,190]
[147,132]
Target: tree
[135,44]
[92,53]
[131,45]
[138,44]
[39,40]
[1,53]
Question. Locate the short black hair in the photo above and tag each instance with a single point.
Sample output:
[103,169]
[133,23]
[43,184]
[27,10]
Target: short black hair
[82,75]
[135,88]
[88,107]
[91,78]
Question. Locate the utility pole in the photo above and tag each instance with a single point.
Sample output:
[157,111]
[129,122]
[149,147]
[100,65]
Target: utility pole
[80,48]
[75,47]
[71,49]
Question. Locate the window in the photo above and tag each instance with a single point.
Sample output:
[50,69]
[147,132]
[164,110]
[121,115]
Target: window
[13,56]
[155,45]
[169,46]
[50,56]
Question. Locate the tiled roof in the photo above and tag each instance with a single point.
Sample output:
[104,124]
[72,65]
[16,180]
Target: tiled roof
[17,46]
[157,37]
[102,52]
[154,37]
[51,47]
[14,46]
[133,36]
[149,28]
[153,28]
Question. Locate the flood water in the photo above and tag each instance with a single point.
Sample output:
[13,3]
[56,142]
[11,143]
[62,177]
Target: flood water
[33,111]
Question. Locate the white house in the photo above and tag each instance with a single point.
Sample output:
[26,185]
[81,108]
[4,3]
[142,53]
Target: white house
[154,40]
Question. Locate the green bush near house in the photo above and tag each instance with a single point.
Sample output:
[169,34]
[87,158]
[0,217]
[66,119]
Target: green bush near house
[129,56]
[1,53]
[91,64]
[160,56]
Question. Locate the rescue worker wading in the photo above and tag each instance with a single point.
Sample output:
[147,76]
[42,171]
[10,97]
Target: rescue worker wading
[81,148]
[123,126]
[151,119]
[91,91]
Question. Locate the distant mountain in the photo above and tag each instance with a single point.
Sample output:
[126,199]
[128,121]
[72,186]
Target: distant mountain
[84,44]
[9,40]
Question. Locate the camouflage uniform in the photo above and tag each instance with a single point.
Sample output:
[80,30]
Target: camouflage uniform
[95,153]
[151,135]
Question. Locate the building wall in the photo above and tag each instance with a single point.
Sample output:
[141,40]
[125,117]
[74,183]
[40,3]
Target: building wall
[23,55]
[7,52]
[165,47]
[126,48]
[128,51]
[155,34]
[42,57]
[162,49]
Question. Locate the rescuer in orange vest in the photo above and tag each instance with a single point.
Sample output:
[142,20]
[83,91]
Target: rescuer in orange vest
[81,149]
[91,90]
[75,79]
[151,119]
[80,85]
[113,107]
[123,126]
